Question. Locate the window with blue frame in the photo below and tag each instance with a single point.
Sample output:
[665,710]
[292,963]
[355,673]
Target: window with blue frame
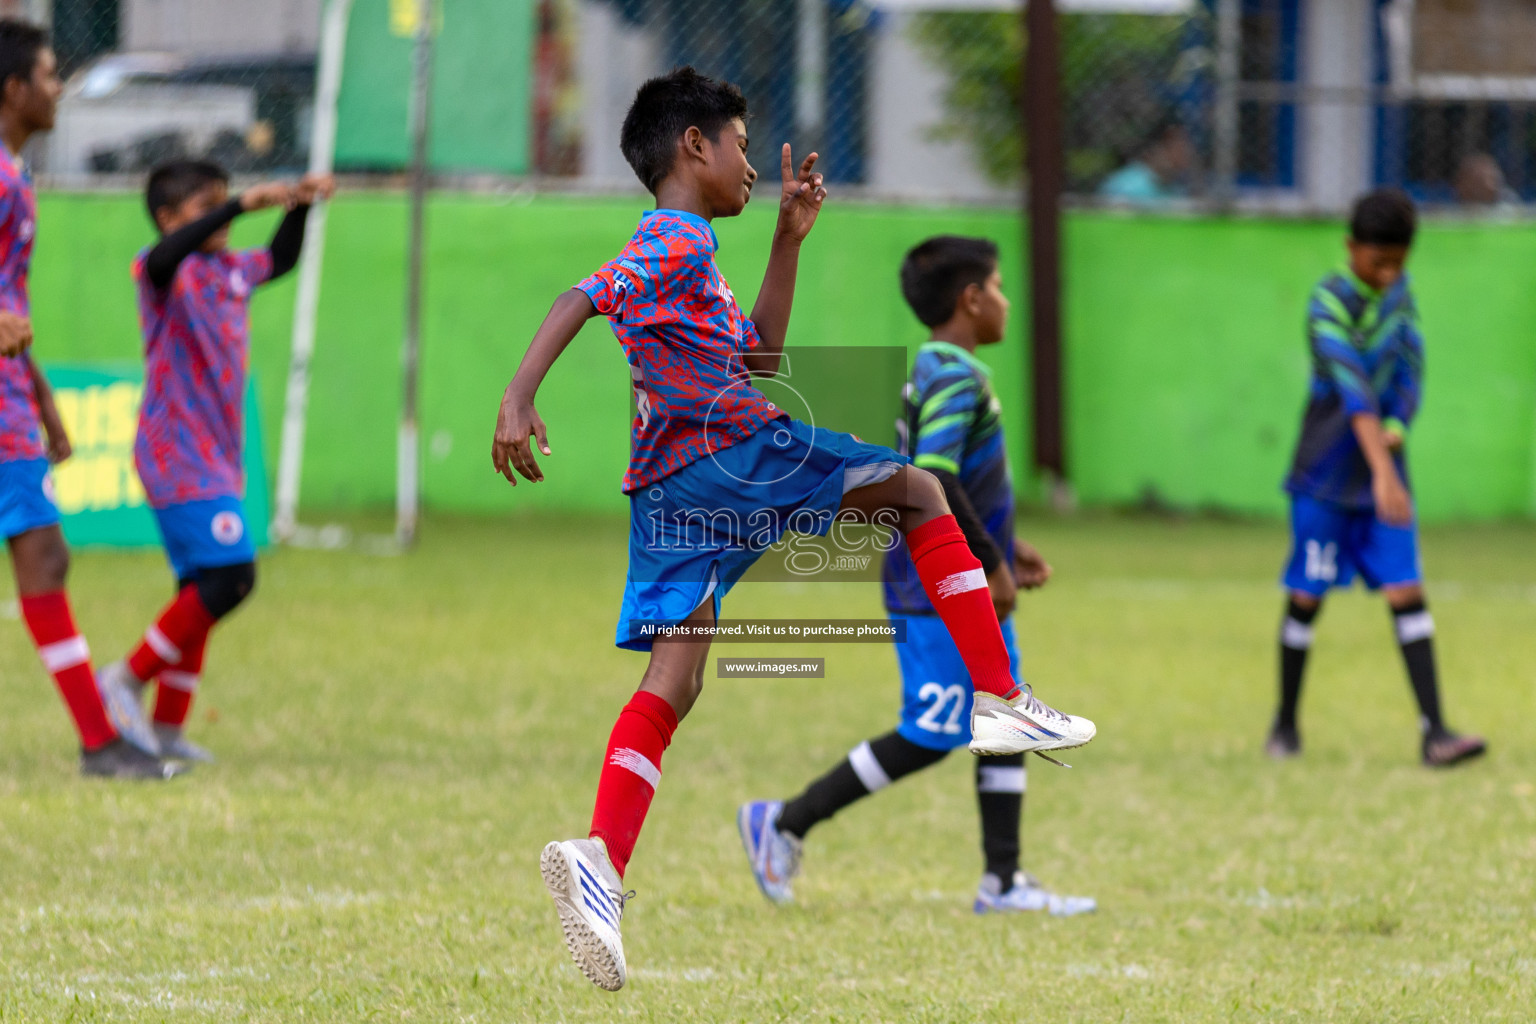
[1270,54]
[1423,144]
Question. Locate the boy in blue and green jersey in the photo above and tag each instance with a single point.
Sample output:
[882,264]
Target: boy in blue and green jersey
[952,427]
[1351,511]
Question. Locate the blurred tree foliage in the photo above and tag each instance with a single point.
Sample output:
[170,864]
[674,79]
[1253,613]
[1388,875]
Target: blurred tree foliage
[1122,74]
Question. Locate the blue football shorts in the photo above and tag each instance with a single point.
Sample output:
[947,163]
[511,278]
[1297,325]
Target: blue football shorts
[26,497]
[1331,545]
[205,534]
[935,686]
[695,532]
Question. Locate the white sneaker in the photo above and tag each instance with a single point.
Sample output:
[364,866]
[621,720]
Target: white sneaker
[120,694]
[774,856]
[175,745]
[1027,895]
[590,901]
[1023,725]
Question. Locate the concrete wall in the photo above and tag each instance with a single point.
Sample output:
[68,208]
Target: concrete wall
[221,26]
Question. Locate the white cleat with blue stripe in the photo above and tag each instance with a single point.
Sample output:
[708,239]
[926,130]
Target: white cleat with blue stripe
[1024,725]
[590,901]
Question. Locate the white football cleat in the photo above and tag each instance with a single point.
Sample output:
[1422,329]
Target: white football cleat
[120,694]
[1027,895]
[1024,725]
[590,901]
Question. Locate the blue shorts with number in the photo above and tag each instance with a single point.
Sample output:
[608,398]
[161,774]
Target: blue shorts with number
[935,686]
[1331,545]
[26,497]
[695,532]
[205,535]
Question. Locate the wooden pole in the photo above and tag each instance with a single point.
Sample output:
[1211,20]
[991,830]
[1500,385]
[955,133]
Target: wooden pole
[1044,167]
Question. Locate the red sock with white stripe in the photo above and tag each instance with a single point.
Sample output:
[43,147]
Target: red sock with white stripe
[67,658]
[631,770]
[955,582]
[175,687]
[181,627]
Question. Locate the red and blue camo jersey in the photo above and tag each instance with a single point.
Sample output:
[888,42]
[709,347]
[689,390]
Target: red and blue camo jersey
[684,336]
[19,434]
[196,351]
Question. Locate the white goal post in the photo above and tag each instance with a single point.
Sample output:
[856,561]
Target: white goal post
[322,155]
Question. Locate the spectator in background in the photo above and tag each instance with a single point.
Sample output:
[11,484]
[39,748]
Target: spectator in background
[1480,182]
[1160,171]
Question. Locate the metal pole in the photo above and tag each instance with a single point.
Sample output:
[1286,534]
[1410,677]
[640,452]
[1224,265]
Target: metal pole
[408,479]
[1229,42]
[1044,167]
[322,154]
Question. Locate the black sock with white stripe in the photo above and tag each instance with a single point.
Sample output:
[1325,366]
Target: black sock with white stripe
[868,768]
[1416,637]
[1295,643]
[1000,784]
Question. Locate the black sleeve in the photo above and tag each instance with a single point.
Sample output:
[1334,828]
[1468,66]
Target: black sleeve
[982,544]
[166,256]
[287,241]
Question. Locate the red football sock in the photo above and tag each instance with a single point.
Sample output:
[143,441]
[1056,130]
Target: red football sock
[68,659]
[183,626]
[957,585]
[175,687]
[630,773]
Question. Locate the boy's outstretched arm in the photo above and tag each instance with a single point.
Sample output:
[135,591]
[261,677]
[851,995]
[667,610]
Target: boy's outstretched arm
[161,262]
[517,419]
[288,241]
[799,203]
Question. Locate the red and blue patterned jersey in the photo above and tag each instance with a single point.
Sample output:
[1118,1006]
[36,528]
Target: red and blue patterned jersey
[196,352]
[684,336]
[19,434]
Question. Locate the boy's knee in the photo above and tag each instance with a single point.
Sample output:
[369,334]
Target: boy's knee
[55,561]
[41,560]
[925,492]
[222,589]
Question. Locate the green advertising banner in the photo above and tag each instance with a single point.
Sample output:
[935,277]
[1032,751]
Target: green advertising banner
[97,488]
[482,85]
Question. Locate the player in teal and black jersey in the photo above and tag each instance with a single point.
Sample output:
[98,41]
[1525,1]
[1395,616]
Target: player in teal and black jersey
[1351,510]
[951,427]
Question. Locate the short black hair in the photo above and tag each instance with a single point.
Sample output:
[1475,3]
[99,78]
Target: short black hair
[172,182]
[1383,217]
[936,273]
[20,43]
[667,106]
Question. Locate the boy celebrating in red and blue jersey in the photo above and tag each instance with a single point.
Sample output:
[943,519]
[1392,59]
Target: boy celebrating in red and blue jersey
[194,307]
[709,450]
[29,520]
[1351,512]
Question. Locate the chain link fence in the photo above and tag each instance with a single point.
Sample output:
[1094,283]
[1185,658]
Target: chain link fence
[1288,104]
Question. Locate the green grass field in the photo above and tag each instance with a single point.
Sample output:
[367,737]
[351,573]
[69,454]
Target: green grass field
[401,735]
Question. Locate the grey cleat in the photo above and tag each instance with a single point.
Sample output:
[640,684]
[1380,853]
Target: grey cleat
[120,693]
[122,760]
[175,745]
